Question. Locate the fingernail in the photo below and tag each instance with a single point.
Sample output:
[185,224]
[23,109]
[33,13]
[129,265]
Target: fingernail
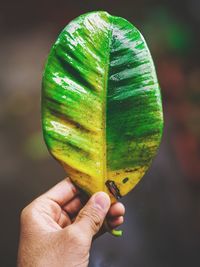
[102,200]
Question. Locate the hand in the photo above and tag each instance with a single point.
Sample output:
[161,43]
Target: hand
[57,231]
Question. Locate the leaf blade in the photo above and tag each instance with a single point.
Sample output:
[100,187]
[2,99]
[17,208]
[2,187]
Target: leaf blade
[134,114]
[98,77]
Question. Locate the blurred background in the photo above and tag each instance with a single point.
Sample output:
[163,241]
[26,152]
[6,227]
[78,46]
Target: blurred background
[162,223]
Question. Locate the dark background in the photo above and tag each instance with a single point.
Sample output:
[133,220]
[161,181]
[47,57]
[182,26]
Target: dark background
[162,223]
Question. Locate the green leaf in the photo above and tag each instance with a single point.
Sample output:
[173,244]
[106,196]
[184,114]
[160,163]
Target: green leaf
[101,105]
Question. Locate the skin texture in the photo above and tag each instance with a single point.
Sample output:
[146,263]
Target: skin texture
[57,229]
[101,105]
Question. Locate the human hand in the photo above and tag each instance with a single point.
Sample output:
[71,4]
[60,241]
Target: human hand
[57,230]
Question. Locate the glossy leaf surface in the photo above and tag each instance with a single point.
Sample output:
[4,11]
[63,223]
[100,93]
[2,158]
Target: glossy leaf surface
[101,104]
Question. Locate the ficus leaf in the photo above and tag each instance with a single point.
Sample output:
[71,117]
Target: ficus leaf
[101,105]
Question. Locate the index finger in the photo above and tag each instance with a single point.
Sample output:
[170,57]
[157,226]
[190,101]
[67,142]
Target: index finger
[62,192]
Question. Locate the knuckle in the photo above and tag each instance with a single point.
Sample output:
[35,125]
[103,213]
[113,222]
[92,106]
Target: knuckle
[93,218]
[25,214]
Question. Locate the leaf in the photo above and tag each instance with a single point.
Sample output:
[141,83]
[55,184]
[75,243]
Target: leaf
[101,105]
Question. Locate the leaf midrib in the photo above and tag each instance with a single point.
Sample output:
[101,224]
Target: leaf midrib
[104,108]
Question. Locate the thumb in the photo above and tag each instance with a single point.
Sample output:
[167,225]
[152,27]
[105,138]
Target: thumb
[91,217]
